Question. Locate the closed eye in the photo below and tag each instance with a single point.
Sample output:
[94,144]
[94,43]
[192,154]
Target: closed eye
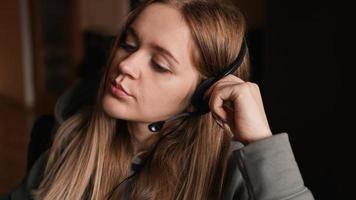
[158,67]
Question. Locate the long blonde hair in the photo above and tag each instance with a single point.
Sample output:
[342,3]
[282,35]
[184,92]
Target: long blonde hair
[91,152]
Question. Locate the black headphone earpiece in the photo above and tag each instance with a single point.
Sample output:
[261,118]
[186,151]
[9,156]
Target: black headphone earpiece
[198,101]
[202,105]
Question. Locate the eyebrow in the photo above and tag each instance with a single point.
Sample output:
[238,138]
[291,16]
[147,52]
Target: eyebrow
[132,31]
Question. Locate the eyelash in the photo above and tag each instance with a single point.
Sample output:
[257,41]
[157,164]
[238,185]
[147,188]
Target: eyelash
[130,49]
[158,67]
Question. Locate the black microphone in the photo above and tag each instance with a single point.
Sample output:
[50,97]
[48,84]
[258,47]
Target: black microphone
[156,126]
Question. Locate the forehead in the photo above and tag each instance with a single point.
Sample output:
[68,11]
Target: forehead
[163,19]
[164,25]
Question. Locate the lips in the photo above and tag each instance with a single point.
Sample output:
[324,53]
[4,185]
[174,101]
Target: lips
[119,90]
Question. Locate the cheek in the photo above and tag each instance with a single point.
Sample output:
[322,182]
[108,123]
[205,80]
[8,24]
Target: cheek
[167,99]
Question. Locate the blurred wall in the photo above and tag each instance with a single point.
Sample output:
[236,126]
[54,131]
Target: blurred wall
[309,84]
[11,72]
[104,15]
[254,11]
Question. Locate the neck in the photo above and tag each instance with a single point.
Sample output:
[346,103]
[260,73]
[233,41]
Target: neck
[141,138]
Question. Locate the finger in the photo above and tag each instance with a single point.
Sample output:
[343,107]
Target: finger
[219,82]
[232,77]
[218,97]
[225,80]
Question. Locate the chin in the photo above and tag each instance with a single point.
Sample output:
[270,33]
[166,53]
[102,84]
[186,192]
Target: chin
[115,108]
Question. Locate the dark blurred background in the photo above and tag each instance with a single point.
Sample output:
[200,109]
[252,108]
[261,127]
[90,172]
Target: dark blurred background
[302,52]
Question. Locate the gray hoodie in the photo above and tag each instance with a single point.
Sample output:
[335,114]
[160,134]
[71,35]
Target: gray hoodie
[262,170]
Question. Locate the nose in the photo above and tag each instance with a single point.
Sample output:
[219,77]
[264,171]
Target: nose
[129,65]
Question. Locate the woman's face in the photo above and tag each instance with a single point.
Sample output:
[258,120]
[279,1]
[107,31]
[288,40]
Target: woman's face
[154,64]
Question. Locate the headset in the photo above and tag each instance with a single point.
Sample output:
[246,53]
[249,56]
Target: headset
[200,104]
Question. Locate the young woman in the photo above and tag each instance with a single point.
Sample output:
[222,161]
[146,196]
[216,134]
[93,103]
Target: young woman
[164,52]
